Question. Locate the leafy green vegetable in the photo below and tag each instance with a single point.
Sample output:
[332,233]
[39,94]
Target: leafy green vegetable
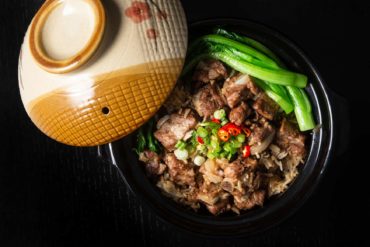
[283,101]
[146,140]
[250,59]
[302,110]
[218,39]
[140,142]
[246,40]
[153,143]
[278,76]
[180,144]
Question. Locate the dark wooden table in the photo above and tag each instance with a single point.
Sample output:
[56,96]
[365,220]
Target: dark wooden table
[55,195]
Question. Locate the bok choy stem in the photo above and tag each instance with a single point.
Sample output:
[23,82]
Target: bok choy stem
[218,39]
[302,111]
[285,104]
[248,41]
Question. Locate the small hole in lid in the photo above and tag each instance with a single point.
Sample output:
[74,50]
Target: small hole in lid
[105,110]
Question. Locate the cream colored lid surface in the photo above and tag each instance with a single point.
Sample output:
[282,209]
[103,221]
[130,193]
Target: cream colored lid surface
[91,71]
[71,22]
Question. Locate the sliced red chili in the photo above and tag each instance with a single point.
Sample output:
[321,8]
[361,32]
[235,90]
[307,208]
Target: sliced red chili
[215,120]
[232,128]
[223,134]
[247,131]
[200,140]
[246,151]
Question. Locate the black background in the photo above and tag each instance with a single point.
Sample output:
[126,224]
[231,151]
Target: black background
[55,195]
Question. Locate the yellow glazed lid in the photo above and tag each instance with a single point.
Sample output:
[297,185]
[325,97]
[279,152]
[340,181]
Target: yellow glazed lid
[93,71]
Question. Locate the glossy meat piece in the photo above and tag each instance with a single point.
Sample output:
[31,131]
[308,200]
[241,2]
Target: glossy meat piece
[290,139]
[209,70]
[265,106]
[234,169]
[249,201]
[207,101]
[236,89]
[175,128]
[238,114]
[260,132]
[180,173]
[152,162]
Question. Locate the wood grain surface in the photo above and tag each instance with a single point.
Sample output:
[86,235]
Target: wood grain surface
[55,195]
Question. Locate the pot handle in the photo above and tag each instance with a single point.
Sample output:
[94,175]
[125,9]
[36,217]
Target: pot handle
[341,115]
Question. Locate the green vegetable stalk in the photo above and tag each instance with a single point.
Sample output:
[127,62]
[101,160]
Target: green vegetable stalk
[278,76]
[282,101]
[220,40]
[248,41]
[302,108]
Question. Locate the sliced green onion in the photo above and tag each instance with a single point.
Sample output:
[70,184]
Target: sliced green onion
[227,147]
[217,150]
[199,160]
[181,154]
[202,148]
[214,138]
[235,144]
[206,140]
[202,132]
[214,144]
[219,114]
[180,145]
[211,125]
[240,138]
[223,155]
[230,155]
[214,132]
[225,121]
[211,155]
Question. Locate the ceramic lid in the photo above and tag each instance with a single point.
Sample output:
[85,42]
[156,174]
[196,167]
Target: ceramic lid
[93,71]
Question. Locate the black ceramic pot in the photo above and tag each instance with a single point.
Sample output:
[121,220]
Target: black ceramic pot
[322,147]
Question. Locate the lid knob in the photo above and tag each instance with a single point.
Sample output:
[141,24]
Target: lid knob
[65,34]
